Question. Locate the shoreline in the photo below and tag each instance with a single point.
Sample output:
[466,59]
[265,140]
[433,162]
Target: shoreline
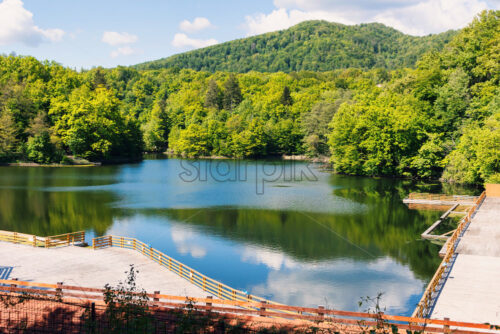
[321,159]
[34,164]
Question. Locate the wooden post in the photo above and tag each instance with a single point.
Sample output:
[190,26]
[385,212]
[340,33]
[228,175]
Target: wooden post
[15,237]
[204,283]
[380,320]
[135,244]
[156,298]
[446,328]
[34,241]
[47,242]
[321,312]
[191,276]
[220,290]
[263,309]
[151,252]
[92,316]
[59,289]
[170,263]
[67,239]
[209,304]
[13,285]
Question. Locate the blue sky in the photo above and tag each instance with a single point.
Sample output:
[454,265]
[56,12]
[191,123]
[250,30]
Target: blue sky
[86,33]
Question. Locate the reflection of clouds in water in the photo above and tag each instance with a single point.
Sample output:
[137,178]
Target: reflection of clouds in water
[337,284]
[272,259]
[184,242]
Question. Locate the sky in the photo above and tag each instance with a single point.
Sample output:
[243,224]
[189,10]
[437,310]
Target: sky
[87,33]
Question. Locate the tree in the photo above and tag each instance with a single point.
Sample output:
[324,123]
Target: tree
[213,97]
[95,129]
[99,80]
[8,138]
[192,141]
[286,98]
[232,93]
[249,142]
[477,155]
[315,126]
[40,149]
[155,131]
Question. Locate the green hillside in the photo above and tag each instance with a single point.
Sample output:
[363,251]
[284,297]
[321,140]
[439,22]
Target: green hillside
[311,46]
[440,119]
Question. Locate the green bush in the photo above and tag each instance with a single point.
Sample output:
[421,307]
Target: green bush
[41,150]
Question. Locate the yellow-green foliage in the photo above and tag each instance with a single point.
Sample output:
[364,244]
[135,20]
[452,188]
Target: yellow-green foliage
[441,116]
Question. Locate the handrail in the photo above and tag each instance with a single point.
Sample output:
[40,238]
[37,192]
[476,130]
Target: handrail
[208,284]
[425,303]
[75,294]
[441,197]
[65,239]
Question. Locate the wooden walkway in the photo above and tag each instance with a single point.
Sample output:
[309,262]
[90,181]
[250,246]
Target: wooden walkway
[471,291]
[85,267]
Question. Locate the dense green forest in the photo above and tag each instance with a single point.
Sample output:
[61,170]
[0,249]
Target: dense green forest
[310,46]
[439,119]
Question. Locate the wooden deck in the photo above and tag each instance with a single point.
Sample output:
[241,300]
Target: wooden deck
[471,291]
[85,267]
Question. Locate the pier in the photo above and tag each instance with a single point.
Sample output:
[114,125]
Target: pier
[66,258]
[79,266]
[466,286]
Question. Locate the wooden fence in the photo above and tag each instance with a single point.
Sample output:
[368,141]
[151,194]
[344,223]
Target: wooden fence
[426,302]
[442,197]
[256,311]
[47,242]
[208,284]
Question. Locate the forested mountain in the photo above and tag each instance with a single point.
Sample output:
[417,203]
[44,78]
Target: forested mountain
[310,46]
[439,119]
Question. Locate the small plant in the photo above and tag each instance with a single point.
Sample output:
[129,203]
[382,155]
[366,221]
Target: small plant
[127,306]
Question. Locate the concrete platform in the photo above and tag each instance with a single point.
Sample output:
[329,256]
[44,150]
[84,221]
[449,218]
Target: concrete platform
[472,291]
[91,268]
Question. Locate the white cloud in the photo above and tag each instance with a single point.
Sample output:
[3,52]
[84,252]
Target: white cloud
[340,284]
[118,38]
[17,26]
[416,17]
[123,51]
[282,18]
[198,24]
[184,41]
[432,16]
[185,242]
[272,259]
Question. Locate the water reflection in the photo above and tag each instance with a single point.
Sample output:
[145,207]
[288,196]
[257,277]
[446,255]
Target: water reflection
[330,241]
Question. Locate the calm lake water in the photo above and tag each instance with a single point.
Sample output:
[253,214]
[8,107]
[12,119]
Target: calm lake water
[285,231]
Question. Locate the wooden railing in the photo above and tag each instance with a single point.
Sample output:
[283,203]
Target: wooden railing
[208,284]
[425,304]
[47,242]
[442,197]
[252,311]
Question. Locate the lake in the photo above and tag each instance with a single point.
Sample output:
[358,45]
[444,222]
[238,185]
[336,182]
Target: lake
[286,231]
